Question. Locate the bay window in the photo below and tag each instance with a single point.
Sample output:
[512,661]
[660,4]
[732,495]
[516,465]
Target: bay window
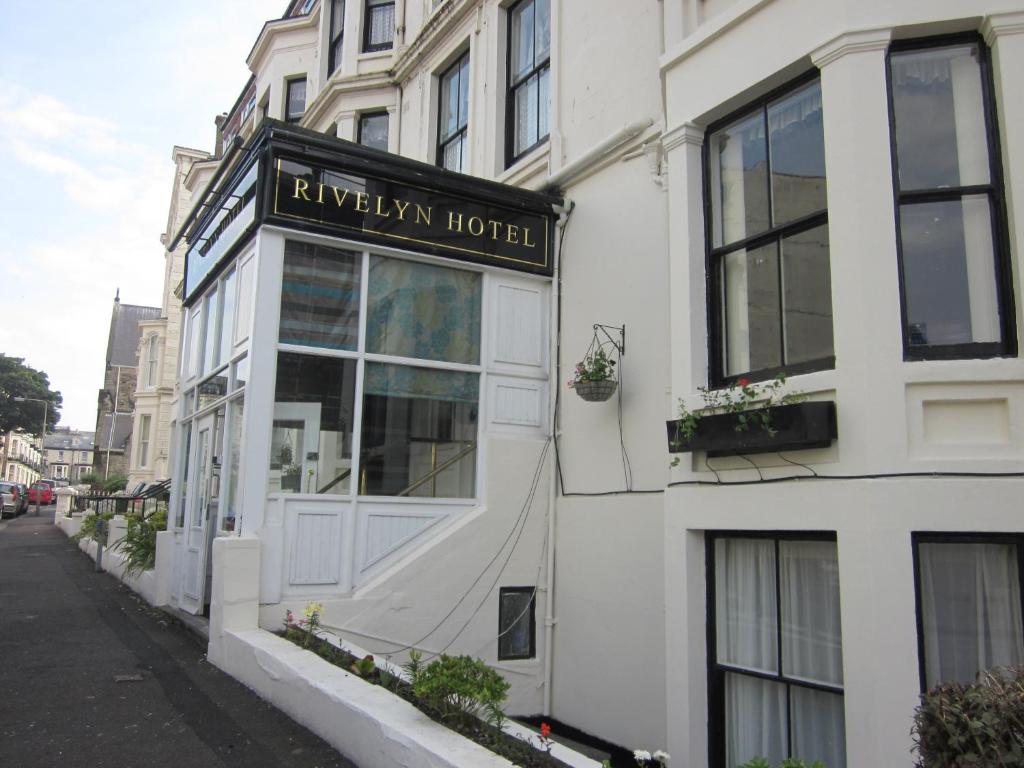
[771,295]
[950,218]
[776,656]
[385,391]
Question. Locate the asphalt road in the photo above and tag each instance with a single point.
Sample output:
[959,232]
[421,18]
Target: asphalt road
[91,675]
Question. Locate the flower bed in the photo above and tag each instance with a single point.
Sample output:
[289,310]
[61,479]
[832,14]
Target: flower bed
[452,693]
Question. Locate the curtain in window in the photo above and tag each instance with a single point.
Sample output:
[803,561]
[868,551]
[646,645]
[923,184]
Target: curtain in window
[811,628]
[746,627]
[424,311]
[319,297]
[970,609]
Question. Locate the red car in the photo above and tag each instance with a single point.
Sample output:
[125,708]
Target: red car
[40,493]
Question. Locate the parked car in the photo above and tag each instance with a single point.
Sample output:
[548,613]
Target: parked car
[8,499]
[22,499]
[42,491]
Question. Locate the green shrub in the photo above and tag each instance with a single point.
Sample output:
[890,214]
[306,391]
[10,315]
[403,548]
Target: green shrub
[981,724]
[89,478]
[114,483]
[458,687]
[139,542]
[89,525]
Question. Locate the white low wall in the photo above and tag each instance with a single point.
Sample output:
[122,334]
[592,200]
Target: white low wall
[154,585]
[368,724]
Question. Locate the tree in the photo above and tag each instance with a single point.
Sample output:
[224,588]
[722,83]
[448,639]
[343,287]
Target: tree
[20,380]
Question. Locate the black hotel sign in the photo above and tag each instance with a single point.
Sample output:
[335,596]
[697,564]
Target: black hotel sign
[402,214]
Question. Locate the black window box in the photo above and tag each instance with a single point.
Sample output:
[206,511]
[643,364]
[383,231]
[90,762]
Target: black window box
[797,426]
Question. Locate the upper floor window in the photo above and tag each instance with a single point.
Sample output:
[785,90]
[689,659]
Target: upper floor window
[529,46]
[152,359]
[776,656]
[378,25]
[969,604]
[771,296]
[295,106]
[337,33]
[145,421]
[373,130]
[453,116]
[955,280]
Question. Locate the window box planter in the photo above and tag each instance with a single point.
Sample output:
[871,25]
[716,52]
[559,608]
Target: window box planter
[596,391]
[796,426]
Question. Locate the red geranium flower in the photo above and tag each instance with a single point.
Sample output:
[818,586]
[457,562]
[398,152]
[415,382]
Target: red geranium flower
[545,730]
[743,382]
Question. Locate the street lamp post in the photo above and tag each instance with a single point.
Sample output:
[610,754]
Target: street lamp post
[42,437]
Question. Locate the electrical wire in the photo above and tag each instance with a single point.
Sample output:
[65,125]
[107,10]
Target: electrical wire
[524,510]
[876,476]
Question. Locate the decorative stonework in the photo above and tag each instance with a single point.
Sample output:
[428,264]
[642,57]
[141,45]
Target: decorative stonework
[861,41]
[1001,24]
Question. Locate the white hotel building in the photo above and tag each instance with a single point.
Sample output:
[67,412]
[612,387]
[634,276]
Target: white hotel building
[422,210]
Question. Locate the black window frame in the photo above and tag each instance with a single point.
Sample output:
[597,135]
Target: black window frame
[530,614]
[963,537]
[994,191]
[369,9]
[289,84]
[368,115]
[336,35]
[716,671]
[714,256]
[444,140]
[512,86]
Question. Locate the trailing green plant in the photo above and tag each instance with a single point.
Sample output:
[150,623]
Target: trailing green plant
[750,403]
[789,762]
[139,542]
[90,523]
[980,724]
[460,686]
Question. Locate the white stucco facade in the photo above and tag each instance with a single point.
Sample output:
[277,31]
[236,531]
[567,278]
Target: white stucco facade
[617,546]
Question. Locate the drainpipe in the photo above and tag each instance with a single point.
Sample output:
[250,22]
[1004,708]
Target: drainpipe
[554,377]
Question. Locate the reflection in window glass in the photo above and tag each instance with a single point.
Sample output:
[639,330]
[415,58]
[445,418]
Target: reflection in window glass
[753,334]
[244,314]
[183,456]
[516,623]
[741,192]
[233,450]
[797,142]
[949,283]
[373,130]
[529,71]
[422,310]
[320,296]
[807,296]
[241,373]
[939,114]
[419,432]
[311,442]
[210,331]
[227,314]
[454,115]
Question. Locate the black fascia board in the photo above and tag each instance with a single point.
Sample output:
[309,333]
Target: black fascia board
[319,147]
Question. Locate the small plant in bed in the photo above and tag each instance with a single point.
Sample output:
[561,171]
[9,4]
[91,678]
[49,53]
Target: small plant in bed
[459,692]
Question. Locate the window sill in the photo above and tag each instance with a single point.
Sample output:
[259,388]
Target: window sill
[371,55]
[529,165]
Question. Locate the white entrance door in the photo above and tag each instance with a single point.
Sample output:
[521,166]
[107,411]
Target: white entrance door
[198,523]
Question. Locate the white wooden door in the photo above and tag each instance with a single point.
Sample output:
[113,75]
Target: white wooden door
[197,521]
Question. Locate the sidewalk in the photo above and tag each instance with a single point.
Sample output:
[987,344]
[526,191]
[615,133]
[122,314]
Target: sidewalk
[90,675]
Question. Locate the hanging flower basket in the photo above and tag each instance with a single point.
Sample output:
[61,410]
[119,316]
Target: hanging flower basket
[596,391]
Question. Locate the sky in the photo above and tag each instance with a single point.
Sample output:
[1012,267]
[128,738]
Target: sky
[94,94]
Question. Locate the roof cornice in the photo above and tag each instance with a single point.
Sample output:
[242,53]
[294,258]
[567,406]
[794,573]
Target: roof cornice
[444,19]
[275,27]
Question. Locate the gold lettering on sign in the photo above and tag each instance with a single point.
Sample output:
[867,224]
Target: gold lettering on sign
[301,187]
[362,202]
[320,196]
[423,213]
[401,209]
[526,238]
[495,225]
[340,199]
[384,213]
[475,225]
[512,235]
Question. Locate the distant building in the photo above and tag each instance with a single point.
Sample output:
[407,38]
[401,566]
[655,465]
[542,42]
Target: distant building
[155,393]
[116,399]
[69,454]
[20,458]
